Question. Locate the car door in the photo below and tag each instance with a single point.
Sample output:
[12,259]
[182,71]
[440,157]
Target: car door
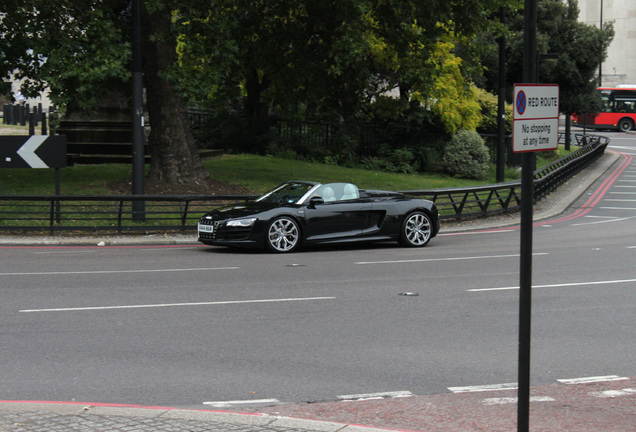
[336,217]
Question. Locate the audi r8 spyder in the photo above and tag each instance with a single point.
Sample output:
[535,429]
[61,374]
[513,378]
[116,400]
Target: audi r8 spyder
[307,213]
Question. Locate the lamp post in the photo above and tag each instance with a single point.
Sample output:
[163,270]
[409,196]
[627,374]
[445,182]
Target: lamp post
[501,105]
[600,65]
[138,154]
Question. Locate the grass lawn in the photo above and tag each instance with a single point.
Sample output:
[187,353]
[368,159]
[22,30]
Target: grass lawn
[256,174]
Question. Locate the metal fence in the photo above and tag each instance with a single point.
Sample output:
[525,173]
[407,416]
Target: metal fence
[165,213]
[470,202]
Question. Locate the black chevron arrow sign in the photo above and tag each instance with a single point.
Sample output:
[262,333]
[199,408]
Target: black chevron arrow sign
[37,151]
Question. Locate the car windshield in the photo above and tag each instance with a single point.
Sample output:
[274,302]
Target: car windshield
[287,193]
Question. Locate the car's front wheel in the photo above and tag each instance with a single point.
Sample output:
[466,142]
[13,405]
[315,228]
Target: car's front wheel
[283,235]
[417,229]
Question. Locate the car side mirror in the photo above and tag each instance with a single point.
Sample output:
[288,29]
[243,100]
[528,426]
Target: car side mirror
[315,200]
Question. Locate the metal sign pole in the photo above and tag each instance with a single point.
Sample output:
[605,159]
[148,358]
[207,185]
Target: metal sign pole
[527,201]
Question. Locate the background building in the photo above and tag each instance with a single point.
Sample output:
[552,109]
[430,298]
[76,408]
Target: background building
[620,65]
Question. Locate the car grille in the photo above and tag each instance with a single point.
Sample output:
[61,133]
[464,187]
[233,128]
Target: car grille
[208,235]
[222,232]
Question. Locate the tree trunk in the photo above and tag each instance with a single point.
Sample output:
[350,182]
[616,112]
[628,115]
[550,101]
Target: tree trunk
[256,113]
[174,155]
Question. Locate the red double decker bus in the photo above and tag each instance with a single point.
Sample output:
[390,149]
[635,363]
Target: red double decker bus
[618,110]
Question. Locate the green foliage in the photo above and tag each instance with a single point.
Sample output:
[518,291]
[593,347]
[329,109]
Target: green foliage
[79,50]
[396,161]
[329,59]
[466,156]
[489,106]
[451,98]
[579,47]
[391,64]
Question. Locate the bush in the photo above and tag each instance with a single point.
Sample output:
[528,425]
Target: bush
[396,161]
[489,112]
[466,156]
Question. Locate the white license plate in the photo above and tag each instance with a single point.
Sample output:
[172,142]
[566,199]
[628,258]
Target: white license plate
[206,228]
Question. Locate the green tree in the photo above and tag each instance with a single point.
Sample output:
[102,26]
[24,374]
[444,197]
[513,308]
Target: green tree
[81,51]
[576,49]
[579,48]
[331,58]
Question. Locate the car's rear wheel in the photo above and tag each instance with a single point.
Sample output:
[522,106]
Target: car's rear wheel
[283,235]
[417,229]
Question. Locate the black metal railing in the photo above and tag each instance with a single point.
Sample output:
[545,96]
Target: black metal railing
[469,202]
[114,213]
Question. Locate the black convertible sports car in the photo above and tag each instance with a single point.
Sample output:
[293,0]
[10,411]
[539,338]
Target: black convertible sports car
[304,212]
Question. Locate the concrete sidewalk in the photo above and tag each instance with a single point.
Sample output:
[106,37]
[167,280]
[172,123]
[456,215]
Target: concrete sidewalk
[594,404]
[24,416]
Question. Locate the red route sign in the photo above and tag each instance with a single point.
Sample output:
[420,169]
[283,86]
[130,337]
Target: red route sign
[535,117]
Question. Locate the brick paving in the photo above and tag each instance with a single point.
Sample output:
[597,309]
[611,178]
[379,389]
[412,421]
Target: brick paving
[605,406]
[608,405]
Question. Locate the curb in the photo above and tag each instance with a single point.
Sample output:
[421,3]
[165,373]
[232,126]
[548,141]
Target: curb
[586,178]
[90,412]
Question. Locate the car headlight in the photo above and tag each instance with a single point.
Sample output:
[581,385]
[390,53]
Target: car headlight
[241,222]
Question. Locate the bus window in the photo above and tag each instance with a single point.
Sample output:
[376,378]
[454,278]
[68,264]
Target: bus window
[606,105]
[625,105]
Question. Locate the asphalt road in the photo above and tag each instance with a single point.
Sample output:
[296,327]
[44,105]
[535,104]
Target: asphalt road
[186,325]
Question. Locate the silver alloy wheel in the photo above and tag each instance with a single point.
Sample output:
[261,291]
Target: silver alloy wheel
[416,230]
[283,235]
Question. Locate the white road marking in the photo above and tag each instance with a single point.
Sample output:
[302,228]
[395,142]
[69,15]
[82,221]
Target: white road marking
[484,388]
[142,306]
[489,231]
[444,259]
[608,220]
[63,252]
[370,396]
[225,404]
[562,285]
[614,393]
[167,249]
[513,400]
[53,273]
[586,380]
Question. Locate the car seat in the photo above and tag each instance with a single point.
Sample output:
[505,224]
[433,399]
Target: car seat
[328,194]
[350,192]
